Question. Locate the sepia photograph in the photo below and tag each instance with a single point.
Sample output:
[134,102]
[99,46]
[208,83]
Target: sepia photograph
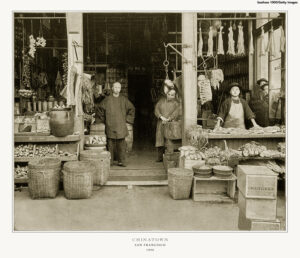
[149,121]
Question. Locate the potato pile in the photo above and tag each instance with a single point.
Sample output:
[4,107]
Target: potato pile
[252,149]
[24,150]
[191,153]
[96,139]
[21,172]
[45,151]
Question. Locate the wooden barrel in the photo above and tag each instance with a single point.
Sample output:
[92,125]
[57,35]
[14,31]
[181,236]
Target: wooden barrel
[43,177]
[61,122]
[180,183]
[101,160]
[78,179]
[129,138]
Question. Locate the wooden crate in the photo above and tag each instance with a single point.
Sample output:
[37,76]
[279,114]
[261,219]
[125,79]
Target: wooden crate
[261,209]
[257,225]
[214,189]
[257,182]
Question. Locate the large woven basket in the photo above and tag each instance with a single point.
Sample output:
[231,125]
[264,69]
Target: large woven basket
[202,171]
[101,160]
[180,183]
[222,171]
[78,179]
[43,178]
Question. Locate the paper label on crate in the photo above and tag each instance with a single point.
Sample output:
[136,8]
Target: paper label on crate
[261,187]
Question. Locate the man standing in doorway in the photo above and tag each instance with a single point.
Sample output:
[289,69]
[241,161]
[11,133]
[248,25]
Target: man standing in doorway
[115,111]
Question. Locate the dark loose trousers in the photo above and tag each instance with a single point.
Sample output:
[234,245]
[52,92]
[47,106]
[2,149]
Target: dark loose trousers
[117,147]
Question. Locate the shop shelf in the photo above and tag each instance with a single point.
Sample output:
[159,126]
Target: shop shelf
[27,159]
[51,138]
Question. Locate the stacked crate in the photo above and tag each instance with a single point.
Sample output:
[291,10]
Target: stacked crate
[257,198]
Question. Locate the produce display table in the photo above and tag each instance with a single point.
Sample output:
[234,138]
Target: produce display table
[236,141]
[214,189]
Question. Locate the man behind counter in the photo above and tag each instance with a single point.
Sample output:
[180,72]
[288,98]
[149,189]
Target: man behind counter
[235,110]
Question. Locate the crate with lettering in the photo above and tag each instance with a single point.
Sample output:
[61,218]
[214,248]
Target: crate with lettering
[257,182]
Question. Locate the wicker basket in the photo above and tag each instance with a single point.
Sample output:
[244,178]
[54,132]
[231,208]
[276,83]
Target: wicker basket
[78,179]
[101,160]
[180,183]
[43,178]
[222,171]
[202,171]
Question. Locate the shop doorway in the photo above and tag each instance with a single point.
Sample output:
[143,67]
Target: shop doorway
[139,93]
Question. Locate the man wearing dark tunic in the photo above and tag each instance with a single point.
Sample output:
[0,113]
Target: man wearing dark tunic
[115,111]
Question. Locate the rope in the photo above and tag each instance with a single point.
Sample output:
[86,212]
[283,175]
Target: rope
[166,62]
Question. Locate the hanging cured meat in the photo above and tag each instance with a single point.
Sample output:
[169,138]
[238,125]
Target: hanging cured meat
[210,42]
[200,44]
[282,40]
[271,44]
[220,42]
[204,89]
[262,43]
[251,47]
[230,50]
[240,43]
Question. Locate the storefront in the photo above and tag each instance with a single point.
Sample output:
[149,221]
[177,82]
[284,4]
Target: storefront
[202,53]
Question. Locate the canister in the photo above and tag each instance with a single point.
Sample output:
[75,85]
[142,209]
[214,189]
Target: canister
[40,106]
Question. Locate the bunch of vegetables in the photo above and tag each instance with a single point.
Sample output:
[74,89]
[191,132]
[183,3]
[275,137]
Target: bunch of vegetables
[21,172]
[96,139]
[228,154]
[213,156]
[197,137]
[45,151]
[280,169]
[281,147]
[252,149]
[25,93]
[272,154]
[24,150]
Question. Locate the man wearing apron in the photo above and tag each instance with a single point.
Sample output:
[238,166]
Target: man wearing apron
[235,110]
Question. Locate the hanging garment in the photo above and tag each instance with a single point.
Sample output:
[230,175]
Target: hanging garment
[220,42]
[251,47]
[262,43]
[230,50]
[68,90]
[271,44]
[240,43]
[210,42]
[282,40]
[204,89]
[200,44]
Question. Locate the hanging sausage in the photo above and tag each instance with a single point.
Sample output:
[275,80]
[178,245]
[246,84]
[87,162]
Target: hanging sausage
[220,42]
[262,43]
[282,40]
[230,50]
[200,44]
[240,43]
[271,44]
[210,42]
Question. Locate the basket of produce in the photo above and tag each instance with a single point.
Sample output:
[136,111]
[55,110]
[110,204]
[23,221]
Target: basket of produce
[78,179]
[202,171]
[43,177]
[180,183]
[222,171]
[172,130]
[190,156]
[101,161]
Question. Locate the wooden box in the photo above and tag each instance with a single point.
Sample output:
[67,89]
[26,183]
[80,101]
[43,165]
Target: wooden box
[257,182]
[257,225]
[262,209]
[214,189]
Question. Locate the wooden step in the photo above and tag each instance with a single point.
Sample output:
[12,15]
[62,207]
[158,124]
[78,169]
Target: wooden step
[137,175]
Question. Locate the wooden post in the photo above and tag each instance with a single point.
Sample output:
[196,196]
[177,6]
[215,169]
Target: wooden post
[75,32]
[189,71]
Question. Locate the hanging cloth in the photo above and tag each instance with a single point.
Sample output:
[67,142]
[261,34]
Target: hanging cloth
[240,43]
[230,50]
[200,44]
[251,46]
[220,42]
[271,44]
[210,42]
[262,43]
[282,40]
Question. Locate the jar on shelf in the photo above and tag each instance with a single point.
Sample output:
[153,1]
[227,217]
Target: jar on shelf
[40,106]
[50,102]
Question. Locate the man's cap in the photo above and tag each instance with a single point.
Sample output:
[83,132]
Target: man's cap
[262,81]
[233,84]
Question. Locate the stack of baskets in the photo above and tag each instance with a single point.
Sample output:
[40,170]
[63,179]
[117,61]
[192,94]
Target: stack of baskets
[101,161]
[43,178]
[202,171]
[78,179]
[222,171]
[180,183]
